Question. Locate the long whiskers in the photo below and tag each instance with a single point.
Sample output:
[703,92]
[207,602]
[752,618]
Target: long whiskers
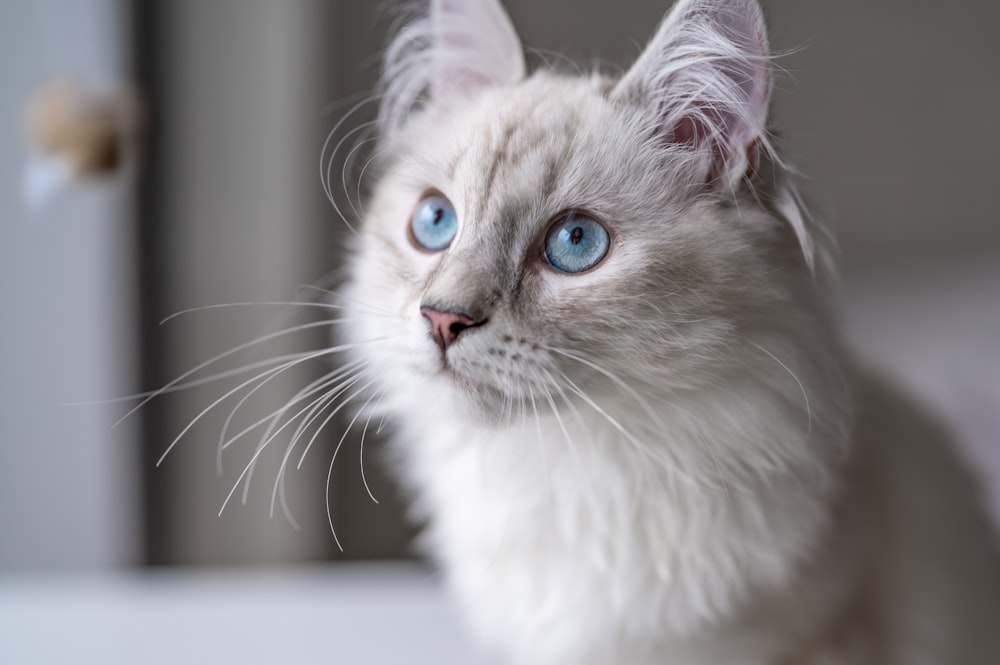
[591,492]
[361,176]
[313,387]
[361,453]
[323,383]
[316,410]
[348,163]
[368,307]
[262,303]
[212,378]
[333,460]
[326,162]
[226,354]
[263,378]
[273,430]
[330,416]
[249,466]
[642,448]
[618,381]
[541,442]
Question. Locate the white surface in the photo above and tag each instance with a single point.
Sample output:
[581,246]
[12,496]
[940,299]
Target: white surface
[376,614]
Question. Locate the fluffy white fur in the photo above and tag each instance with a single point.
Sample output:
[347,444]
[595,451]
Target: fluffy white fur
[667,458]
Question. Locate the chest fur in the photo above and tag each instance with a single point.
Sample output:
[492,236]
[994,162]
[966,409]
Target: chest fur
[557,536]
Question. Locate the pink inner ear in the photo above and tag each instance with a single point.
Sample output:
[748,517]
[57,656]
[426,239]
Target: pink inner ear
[473,46]
[706,76]
[694,130]
[751,75]
[686,131]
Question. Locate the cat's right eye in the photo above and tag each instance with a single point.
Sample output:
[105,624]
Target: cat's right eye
[434,223]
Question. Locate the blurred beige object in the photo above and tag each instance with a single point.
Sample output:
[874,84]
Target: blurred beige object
[75,134]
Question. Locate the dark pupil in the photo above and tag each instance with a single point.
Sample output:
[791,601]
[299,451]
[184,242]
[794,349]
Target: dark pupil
[576,235]
[438,214]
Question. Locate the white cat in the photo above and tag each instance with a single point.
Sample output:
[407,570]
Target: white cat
[593,311]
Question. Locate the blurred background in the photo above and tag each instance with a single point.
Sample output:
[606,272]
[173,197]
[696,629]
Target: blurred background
[891,109]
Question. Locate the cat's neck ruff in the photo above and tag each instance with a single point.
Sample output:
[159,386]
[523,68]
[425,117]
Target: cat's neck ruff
[560,514]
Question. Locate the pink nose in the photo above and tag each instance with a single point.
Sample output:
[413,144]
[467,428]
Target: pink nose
[447,326]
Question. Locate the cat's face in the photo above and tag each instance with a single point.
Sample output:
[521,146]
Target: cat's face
[536,243]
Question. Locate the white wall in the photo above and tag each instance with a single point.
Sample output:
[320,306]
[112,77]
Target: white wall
[67,496]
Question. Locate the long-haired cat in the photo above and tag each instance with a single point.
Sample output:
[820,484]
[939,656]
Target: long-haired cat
[595,313]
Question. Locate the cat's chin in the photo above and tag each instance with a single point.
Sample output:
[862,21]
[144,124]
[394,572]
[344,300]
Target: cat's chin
[474,402]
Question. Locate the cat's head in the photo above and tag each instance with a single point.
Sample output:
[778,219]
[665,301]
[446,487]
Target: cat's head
[544,238]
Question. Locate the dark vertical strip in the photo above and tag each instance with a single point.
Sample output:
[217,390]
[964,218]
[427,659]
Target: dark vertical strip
[150,217]
[367,530]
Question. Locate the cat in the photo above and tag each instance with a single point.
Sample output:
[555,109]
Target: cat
[596,314]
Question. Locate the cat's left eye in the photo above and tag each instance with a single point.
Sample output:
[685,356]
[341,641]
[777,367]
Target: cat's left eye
[434,223]
[576,243]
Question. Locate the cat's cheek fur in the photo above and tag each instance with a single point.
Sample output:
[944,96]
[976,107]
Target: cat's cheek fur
[396,343]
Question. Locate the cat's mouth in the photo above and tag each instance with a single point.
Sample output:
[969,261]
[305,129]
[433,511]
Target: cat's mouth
[471,398]
[470,378]
[458,378]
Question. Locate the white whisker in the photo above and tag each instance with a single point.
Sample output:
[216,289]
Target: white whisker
[316,409]
[336,294]
[221,356]
[333,154]
[273,430]
[313,387]
[333,460]
[243,474]
[347,165]
[324,169]
[309,389]
[361,454]
[361,175]
[264,377]
[802,388]
[591,491]
[617,381]
[219,376]
[330,417]
[541,443]
[261,303]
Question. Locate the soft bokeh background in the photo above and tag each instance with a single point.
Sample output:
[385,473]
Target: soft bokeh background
[891,109]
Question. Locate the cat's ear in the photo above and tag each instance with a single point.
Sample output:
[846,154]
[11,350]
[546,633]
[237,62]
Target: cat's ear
[459,49]
[473,46]
[704,83]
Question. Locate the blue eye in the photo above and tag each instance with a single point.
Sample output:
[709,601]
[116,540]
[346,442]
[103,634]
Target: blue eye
[576,243]
[434,223]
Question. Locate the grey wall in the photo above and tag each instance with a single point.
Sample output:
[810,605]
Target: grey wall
[891,108]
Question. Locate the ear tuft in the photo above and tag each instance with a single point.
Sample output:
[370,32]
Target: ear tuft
[704,82]
[459,49]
